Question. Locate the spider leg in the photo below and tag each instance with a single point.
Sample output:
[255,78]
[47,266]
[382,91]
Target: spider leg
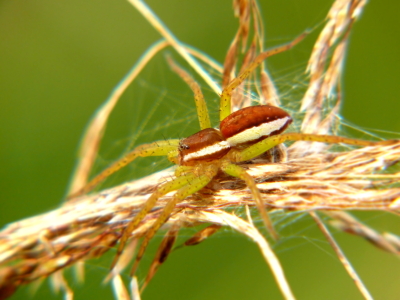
[225,100]
[239,172]
[165,188]
[160,148]
[182,170]
[191,187]
[201,106]
[272,141]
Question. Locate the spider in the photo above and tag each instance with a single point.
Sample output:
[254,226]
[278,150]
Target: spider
[242,136]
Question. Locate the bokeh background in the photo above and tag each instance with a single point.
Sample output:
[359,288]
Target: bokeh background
[59,60]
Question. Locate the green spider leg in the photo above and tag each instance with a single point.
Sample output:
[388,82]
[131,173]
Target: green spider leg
[202,111]
[239,172]
[161,148]
[225,100]
[191,186]
[272,141]
[165,188]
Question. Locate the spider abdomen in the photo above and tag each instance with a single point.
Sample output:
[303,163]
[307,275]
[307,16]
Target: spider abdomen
[254,123]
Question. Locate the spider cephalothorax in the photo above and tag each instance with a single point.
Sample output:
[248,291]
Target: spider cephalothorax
[205,145]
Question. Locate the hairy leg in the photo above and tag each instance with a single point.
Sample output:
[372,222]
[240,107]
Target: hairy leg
[190,188]
[160,148]
[165,188]
[239,172]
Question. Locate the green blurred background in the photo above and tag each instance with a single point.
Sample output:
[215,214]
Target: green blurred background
[59,60]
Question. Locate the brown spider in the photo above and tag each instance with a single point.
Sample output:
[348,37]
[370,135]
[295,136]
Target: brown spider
[242,136]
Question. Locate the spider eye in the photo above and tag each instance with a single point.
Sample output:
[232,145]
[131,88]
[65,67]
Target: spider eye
[183,147]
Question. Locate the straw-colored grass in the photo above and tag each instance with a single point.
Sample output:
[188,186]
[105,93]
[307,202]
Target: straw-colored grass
[311,178]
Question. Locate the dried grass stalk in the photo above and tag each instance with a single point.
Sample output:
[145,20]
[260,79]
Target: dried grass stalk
[37,247]
[312,179]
